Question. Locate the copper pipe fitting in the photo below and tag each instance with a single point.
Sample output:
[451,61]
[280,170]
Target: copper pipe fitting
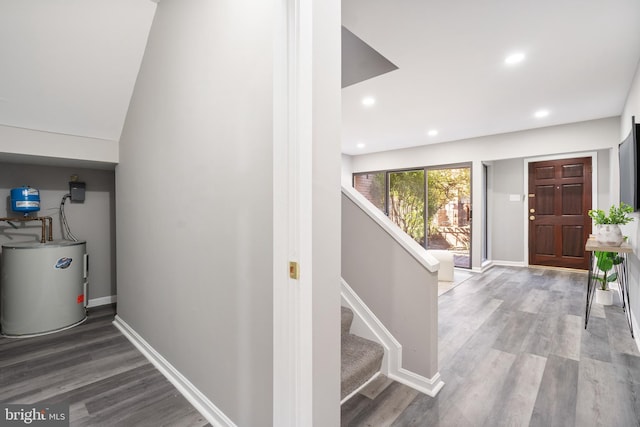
[43,220]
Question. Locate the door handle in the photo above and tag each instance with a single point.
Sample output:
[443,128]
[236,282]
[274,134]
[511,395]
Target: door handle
[532,217]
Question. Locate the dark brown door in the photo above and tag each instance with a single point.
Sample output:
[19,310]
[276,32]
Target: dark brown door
[559,199]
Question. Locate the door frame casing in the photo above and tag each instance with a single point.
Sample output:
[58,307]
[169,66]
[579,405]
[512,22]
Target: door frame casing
[525,205]
[292,213]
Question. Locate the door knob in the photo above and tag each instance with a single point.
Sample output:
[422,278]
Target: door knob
[532,210]
[532,217]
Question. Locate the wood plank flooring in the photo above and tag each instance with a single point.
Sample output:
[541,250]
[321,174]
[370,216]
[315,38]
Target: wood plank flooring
[513,351]
[97,371]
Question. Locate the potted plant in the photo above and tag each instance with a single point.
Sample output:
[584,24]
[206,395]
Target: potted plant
[605,262]
[608,226]
[608,233]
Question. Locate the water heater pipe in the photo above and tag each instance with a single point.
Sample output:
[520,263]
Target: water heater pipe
[43,219]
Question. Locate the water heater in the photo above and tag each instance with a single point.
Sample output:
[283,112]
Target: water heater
[42,287]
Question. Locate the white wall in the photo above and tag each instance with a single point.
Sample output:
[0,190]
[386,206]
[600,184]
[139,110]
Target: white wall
[326,213]
[575,137]
[592,135]
[398,288]
[93,220]
[27,142]
[606,194]
[505,213]
[347,171]
[69,67]
[195,202]
[632,108]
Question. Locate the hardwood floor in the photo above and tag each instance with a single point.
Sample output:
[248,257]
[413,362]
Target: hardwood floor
[97,371]
[513,351]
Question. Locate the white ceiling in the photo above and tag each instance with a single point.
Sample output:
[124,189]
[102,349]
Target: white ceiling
[581,56]
[69,66]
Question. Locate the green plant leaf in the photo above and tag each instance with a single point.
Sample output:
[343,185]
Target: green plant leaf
[617,215]
[605,264]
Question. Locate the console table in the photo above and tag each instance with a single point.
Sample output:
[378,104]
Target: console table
[621,269]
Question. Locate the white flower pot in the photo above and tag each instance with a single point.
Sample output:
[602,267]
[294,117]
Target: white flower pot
[604,297]
[609,234]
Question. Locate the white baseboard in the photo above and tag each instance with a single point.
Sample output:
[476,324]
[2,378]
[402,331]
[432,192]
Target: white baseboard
[392,367]
[508,263]
[95,302]
[428,386]
[215,416]
[636,330]
[486,265]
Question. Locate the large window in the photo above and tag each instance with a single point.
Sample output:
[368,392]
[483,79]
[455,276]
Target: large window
[373,186]
[405,202]
[442,220]
[449,207]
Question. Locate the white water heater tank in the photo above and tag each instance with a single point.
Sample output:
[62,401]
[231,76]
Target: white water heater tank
[42,287]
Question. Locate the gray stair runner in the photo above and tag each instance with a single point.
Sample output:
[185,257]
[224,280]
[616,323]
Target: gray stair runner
[361,358]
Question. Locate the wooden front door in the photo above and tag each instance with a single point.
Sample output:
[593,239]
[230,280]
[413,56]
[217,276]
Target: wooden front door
[559,199]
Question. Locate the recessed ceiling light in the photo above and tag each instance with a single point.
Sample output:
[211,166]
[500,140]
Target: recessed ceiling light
[361,145]
[514,58]
[432,132]
[368,101]
[541,113]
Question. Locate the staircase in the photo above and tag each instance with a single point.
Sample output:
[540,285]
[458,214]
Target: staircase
[361,358]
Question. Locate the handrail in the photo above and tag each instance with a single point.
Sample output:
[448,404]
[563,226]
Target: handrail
[411,246]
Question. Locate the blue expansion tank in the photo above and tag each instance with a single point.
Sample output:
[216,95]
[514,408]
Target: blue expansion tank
[25,199]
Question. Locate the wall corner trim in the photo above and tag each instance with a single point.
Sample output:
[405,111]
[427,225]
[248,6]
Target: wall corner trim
[199,401]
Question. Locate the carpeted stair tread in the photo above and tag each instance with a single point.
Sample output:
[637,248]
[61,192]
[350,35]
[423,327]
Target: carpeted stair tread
[361,359]
[347,319]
